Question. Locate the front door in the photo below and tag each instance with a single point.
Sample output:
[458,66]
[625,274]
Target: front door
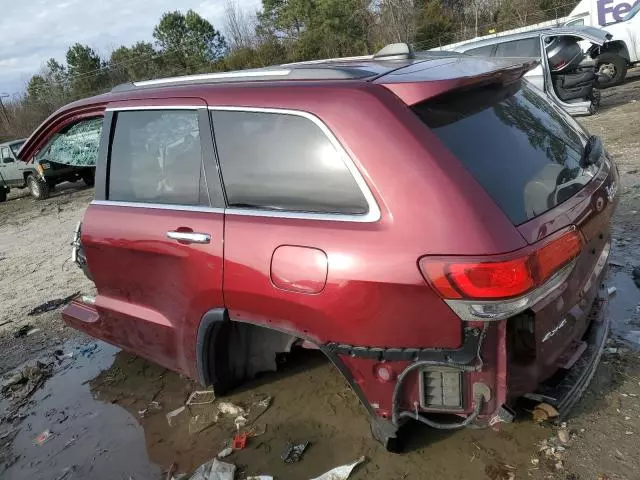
[154,236]
[9,171]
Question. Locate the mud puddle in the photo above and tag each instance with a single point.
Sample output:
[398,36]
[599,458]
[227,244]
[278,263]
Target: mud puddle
[91,406]
[624,304]
[68,434]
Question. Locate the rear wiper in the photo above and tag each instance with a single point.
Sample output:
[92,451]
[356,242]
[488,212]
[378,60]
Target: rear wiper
[592,152]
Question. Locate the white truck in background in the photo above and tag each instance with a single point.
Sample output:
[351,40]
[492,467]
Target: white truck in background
[620,18]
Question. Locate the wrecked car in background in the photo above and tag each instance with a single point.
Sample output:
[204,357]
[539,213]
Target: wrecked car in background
[69,155]
[382,210]
[13,172]
[567,74]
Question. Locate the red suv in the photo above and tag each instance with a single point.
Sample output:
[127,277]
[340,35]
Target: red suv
[433,224]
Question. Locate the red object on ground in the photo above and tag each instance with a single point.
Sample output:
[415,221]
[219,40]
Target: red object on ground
[239,441]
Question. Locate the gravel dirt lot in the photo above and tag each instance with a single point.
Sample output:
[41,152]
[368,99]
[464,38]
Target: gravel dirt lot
[91,405]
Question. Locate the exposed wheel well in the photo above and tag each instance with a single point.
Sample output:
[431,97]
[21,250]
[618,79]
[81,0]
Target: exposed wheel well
[618,47]
[229,352]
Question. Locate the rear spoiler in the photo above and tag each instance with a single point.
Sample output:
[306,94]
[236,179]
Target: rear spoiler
[420,81]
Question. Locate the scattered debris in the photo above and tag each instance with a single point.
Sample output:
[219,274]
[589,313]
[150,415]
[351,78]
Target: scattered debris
[174,413]
[152,406]
[563,435]
[87,350]
[225,453]
[201,397]
[43,437]
[543,412]
[239,441]
[52,305]
[214,470]
[293,452]
[22,331]
[5,322]
[23,384]
[201,421]
[340,473]
[228,408]
[611,291]
[239,422]
[260,477]
[535,461]
[559,465]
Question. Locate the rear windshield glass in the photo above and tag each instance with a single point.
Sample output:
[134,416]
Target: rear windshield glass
[524,151]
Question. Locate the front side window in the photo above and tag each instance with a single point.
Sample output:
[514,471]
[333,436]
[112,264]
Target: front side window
[75,145]
[156,157]
[528,47]
[283,162]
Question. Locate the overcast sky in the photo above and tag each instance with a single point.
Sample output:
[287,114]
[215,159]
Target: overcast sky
[35,30]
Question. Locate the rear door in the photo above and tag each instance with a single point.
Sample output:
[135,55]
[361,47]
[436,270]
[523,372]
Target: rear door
[154,235]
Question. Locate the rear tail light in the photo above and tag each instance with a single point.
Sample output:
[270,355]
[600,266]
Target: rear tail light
[492,289]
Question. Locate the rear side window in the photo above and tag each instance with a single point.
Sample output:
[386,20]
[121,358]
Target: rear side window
[481,51]
[522,150]
[156,157]
[283,162]
[528,47]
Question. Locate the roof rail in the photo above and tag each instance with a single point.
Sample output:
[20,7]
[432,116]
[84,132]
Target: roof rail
[204,77]
[395,51]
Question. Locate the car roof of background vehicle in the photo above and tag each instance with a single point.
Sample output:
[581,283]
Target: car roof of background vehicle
[395,64]
[12,142]
[593,34]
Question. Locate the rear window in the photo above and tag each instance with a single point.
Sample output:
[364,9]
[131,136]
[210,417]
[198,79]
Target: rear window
[524,151]
[283,162]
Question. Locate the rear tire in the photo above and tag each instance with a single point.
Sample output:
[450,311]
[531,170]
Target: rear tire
[614,63]
[3,194]
[38,188]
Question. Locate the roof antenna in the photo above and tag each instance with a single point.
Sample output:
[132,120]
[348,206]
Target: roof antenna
[395,51]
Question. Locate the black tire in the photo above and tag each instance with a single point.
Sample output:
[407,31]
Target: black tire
[3,194]
[614,62]
[89,178]
[38,188]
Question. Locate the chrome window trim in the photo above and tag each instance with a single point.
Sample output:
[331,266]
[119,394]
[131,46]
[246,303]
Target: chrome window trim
[373,215]
[159,206]
[156,107]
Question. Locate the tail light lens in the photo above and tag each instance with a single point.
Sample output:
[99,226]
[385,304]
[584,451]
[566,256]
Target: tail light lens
[463,281]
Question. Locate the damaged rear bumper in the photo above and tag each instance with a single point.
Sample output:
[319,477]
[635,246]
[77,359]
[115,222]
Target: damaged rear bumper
[564,391]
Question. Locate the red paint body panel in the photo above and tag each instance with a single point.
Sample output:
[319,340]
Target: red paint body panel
[152,291]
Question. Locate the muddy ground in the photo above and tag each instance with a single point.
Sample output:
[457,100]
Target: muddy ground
[91,405]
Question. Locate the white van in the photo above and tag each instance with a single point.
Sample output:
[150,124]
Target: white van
[622,21]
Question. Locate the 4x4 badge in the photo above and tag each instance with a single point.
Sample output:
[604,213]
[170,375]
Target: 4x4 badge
[551,333]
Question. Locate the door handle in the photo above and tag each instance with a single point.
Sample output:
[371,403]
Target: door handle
[189,237]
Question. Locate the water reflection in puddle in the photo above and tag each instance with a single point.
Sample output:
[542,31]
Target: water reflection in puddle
[89,438]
